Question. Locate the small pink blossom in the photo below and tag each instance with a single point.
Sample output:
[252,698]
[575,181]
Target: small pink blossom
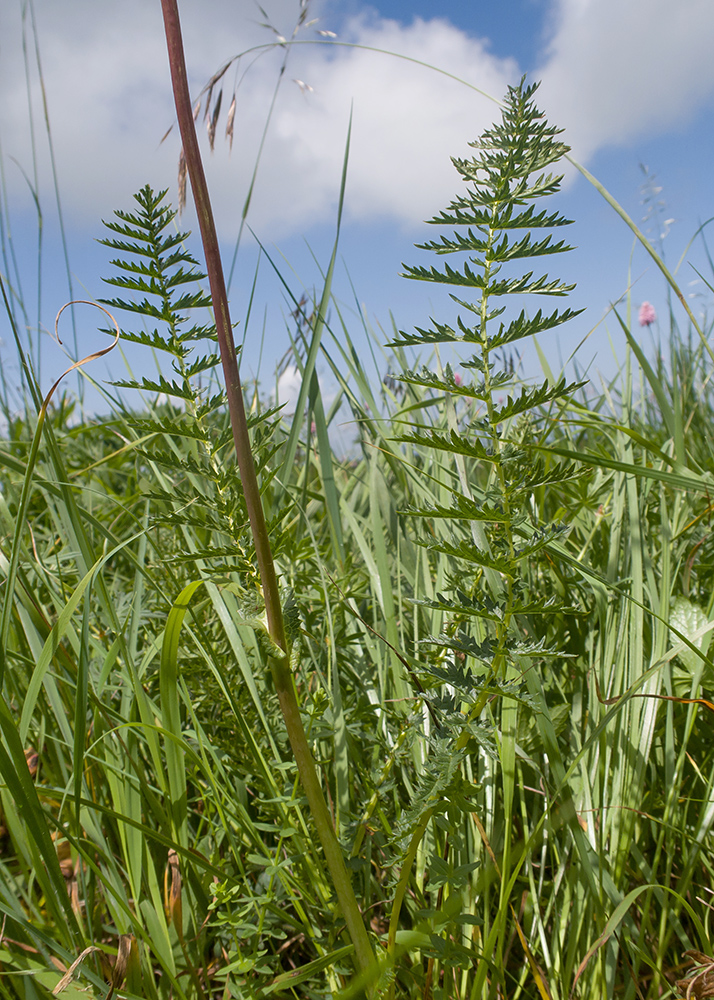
[313,428]
[457,378]
[647,314]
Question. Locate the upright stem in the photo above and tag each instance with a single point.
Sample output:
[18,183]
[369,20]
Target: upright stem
[282,675]
[229,359]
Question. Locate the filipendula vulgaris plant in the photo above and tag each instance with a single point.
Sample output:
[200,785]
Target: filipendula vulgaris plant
[185,431]
[484,661]
[182,443]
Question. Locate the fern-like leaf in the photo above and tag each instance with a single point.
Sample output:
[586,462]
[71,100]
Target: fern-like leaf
[488,545]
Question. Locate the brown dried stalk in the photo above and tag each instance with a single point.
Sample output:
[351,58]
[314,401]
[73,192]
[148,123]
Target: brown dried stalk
[282,675]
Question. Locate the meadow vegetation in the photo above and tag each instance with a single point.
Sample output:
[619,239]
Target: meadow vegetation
[493,633]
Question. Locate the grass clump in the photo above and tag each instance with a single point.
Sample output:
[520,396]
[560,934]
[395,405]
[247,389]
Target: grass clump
[496,622]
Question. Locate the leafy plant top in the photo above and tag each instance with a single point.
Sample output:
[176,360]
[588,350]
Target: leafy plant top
[494,617]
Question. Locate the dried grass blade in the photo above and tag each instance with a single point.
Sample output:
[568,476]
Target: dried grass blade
[69,974]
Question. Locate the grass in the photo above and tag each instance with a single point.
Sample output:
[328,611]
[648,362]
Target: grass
[188,831]
[541,830]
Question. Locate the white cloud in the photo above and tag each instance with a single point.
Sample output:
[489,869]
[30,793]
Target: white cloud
[619,71]
[407,119]
[107,82]
[288,390]
[616,70]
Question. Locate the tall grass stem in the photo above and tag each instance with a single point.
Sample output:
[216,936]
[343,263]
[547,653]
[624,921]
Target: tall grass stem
[282,675]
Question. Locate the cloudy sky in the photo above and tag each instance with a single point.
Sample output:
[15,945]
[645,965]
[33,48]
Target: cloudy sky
[631,81]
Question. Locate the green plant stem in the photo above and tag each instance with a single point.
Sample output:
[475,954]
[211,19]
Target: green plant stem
[282,675]
[403,883]
[283,679]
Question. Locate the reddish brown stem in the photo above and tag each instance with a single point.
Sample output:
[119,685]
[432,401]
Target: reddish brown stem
[224,330]
[282,675]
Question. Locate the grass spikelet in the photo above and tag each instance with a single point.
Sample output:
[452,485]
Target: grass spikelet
[214,120]
[182,178]
[230,121]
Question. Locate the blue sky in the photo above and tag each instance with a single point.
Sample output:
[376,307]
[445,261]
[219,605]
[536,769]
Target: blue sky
[632,81]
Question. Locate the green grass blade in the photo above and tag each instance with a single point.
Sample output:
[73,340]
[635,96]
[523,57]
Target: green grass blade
[15,772]
[325,454]
[655,383]
[288,980]
[170,712]
[319,325]
[81,699]
[58,631]
[671,281]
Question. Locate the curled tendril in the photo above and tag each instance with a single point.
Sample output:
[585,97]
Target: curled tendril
[90,357]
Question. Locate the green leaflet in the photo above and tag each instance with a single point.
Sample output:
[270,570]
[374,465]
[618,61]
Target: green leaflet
[171,715]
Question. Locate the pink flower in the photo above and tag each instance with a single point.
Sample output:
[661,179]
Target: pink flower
[313,428]
[457,378]
[647,314]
